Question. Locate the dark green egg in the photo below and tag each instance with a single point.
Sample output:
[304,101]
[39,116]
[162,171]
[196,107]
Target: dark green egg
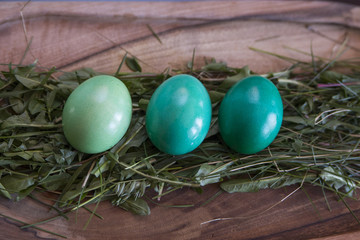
[250,115]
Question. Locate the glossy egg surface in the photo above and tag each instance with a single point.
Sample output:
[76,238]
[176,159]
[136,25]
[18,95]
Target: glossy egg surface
[178,115]
[97,114]
[250,115]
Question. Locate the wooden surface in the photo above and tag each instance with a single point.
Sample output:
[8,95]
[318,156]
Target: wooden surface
[74,35]
[295,218]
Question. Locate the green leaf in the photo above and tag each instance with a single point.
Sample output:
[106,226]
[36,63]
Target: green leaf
[46,77]
[137,206]
[4,114]
[331,76]
[38,158]
[24,193]
[3,147]
[205,175]
[16,183]
[66,87]
[54,182]
[333,177]
[65,156]
[17,105]
[15,120]
[307,107]
[334,124]
[216,96]
[4,192]
[17,92]
[28,82]
[297,145]
[143,103]
[68,78]
[25,154]
[40,118]
[135,86]
[248,185]
[69,195]
[230,81]
[50,99]
[295,119]
[101,166]
[85,73]
[216,67]
[133,138]
[124,191]
[35,106]
[24,70]
[133,64]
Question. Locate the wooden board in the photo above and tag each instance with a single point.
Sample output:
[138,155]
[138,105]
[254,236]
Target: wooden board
[71,36]
[75,35]
[294,218]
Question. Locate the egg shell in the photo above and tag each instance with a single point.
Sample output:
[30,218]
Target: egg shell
[97,114]
[250,115]
[178,115]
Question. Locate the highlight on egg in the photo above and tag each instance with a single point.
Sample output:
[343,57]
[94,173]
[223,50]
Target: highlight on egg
[97,114]
[178,115]
[250,115]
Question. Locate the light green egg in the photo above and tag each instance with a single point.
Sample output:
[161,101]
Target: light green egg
[97,114]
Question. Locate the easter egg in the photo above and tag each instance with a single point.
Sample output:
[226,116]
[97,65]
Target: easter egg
[250,115]
[97,114]
[178,115]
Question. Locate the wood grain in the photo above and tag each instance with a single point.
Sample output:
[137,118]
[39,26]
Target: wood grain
[294,218]
[71,36]
[75,35]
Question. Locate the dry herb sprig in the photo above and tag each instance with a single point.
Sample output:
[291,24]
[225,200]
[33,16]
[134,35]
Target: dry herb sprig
[317,144]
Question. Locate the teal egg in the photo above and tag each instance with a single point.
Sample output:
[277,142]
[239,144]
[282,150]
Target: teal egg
[178,115]
[97,114]
[250,115]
